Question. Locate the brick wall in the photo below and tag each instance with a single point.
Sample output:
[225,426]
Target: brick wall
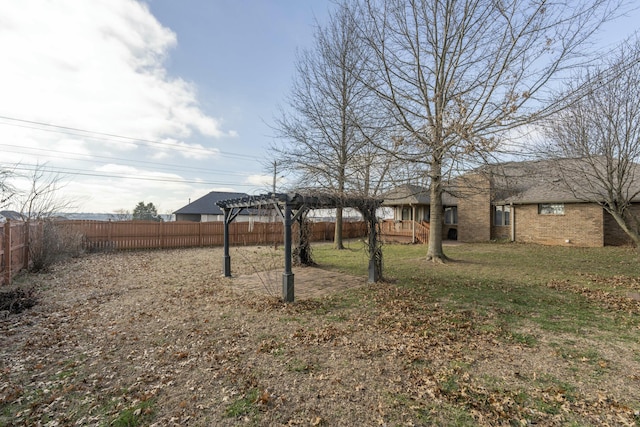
[501,232]
[613,234]
[582,225]
[474,210]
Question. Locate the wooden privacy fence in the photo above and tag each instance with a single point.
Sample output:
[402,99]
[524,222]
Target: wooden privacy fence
[121,235]
[14,247]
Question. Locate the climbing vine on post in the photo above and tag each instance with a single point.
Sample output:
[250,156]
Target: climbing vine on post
[302,253]
[367,208]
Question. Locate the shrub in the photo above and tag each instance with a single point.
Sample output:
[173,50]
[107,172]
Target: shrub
[52,242]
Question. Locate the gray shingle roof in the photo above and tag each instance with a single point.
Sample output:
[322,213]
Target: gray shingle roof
[549,181]
[527,182]
[409,194]
[11,215]
[206,205]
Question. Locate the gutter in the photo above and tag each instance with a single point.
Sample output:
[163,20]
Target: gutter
[512,209]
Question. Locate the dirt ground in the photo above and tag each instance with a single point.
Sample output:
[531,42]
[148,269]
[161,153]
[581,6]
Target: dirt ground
[310,282]
[160,338]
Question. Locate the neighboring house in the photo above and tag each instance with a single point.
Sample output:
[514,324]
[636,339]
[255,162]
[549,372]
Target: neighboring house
[205,209]
[10,215]
[518,201]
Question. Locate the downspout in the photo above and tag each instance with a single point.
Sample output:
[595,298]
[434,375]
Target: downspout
[513,221]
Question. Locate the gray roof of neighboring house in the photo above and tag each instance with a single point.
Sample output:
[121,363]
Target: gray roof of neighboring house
[551,181]
[206,205]
[11,215]
[409,194]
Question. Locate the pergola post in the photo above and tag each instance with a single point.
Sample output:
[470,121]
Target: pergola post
[229,216]
[226,266]
[287,276]
[375,255]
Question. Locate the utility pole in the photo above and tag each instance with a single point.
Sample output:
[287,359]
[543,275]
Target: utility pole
[275,174]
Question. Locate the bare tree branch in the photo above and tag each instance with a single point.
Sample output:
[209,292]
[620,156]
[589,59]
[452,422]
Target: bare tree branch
[602,131]
[43,195]
[457,75]
[327,130]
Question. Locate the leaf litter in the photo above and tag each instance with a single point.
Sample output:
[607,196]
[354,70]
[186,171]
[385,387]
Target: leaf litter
[160,337]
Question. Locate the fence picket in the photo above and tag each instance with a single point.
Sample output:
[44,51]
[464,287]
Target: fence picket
[14,247]
[123,235]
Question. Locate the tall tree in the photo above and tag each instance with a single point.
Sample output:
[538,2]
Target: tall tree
[455,75]
[145,212]
[327,128]
[601,133]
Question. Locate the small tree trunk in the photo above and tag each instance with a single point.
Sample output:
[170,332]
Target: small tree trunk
[337,237]
[631,232]
[435,252]
[302,251]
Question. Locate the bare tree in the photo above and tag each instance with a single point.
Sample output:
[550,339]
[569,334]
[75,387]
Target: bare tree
[456,75]
[327,129]
[121,215]
[600,133]
[7,189]
[39,198]
[42,197]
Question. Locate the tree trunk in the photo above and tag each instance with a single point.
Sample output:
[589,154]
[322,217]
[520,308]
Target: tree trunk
[631,232]
[337,237]
[435,252]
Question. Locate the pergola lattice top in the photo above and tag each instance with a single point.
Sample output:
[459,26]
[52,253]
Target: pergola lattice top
[298,201]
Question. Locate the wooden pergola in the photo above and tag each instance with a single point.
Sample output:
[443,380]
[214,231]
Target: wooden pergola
[293,207]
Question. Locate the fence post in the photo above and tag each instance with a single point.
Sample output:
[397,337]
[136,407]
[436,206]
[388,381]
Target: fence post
[7,252]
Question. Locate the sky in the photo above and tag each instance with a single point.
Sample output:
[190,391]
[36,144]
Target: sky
[159,101]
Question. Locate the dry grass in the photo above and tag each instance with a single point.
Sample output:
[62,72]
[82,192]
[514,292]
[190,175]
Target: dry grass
[160,338]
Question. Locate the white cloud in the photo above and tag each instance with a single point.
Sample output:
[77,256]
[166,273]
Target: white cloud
[188,151]
[259,180]
[264,182]
[95,65]
[99,65]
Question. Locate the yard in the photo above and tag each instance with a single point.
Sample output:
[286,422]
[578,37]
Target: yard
[507,334]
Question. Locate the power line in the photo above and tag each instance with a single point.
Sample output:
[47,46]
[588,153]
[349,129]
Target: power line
[109,137]
[166,166]
[82,172]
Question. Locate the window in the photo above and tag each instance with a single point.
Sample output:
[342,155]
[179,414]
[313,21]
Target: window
[502,215]
[551,209]
[451,215]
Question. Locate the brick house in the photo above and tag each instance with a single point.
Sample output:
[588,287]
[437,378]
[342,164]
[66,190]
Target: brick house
[521,202]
